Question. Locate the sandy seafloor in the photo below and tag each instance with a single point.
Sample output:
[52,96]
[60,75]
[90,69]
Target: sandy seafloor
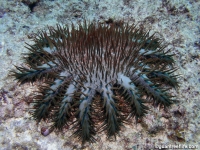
[177,22]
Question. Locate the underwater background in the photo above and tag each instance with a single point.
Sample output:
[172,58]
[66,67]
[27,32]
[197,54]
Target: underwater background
[177,22]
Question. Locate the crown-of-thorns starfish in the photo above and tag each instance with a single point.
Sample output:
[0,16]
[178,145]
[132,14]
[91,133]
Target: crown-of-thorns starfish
[96,77]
